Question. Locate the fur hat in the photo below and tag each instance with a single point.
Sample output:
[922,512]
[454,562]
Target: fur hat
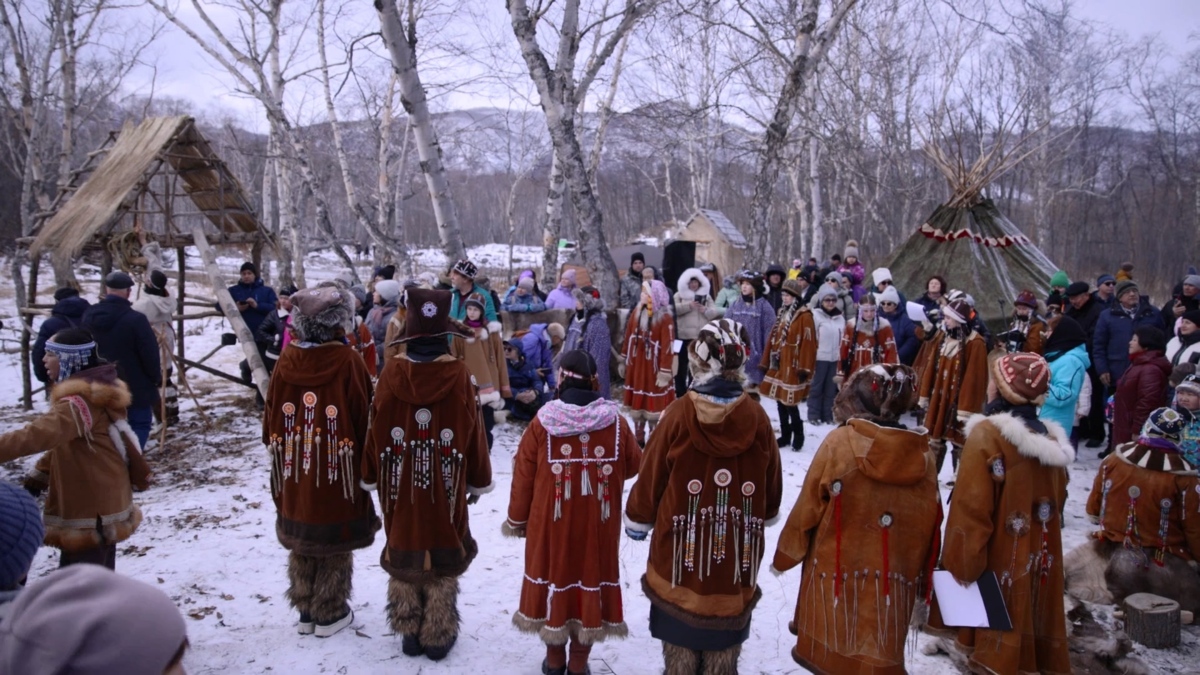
[1026,298]
[428,315]
[466,268]
[21,533]
[851,249]
[1021,377]
[555,331]
[589,297]
[317,312]
[1151,337]
[1125,286]
[881,275]
[359,293]
[792,288]
[719,350]
[959,310]
[889,294]
[388,290]
[879,393]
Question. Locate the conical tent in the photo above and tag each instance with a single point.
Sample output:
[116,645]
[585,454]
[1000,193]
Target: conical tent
[978,250]
[969,242]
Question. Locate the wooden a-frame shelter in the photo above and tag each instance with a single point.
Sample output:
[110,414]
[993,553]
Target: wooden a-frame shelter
[163,177]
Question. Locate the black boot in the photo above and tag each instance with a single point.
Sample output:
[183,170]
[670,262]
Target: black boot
[797,430]
[411,646]
[785,425]
[439,653]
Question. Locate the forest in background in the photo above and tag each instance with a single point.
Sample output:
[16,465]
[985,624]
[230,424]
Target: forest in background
[805,122]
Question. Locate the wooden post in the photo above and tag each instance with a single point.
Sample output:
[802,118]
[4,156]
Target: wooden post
[1152,620]
[249,348]
[106,263]
[27,325]
[181,264]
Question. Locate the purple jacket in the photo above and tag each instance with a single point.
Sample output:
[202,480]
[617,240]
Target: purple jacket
[758,319]
[591,335]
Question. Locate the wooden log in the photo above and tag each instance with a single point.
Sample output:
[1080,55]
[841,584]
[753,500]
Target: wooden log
[1152,620]
[257,369]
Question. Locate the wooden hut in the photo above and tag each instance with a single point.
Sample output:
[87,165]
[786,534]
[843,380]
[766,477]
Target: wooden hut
[718,241]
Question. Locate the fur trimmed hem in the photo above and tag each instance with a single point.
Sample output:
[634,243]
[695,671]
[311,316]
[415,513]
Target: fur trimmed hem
[1052,450]
[490,397]
[495,327]
[510,529]
[480,491]
[641,415]
[636,527]
[736,622]
[61,535]
[573,629]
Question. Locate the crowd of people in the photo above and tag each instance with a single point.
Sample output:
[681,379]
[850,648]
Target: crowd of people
[380,410]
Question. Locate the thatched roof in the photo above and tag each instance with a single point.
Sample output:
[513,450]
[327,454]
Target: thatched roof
[111,189]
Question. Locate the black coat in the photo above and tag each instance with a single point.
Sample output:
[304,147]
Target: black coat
[66,314]
[1086,316]
[124,336]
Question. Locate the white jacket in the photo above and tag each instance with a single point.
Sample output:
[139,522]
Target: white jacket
[829,334]
[1177,353]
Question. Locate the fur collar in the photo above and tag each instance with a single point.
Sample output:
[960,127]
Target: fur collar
[1053,449]
[112,396]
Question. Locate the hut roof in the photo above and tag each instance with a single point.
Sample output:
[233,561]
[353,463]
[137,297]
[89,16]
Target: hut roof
[113,187]
[725,227]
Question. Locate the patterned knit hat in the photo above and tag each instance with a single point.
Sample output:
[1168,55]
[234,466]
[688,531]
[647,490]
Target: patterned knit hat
[1157,448]
[879,393]
[466,268]
[959,310]
[1190,383]
[1166,423]
[719,348]
[21,534]
[476,300]
[1021,377]
[792,288]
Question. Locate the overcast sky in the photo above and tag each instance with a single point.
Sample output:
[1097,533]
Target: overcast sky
[182,70]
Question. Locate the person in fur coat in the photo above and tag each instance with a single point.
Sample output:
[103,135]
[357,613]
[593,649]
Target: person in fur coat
[427,458]
[1026,331]
[710,482]
[694,307]
[1143,498]
[648,359]
[1013,482]
[92,460]
[483,353]
[571,595]
[867,340]
[320,391]
[589,331]
[789,361]
[954,383]
[753,312]
[869,507]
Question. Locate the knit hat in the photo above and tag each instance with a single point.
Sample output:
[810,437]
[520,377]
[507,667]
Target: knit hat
[525,284]
[21,534]
[851,249]
[792,288]
[65,292]
[388,289]
[466,268]
[835,276]
[428,315]
[359,293]
[889,294]
[476,300]
[1192,280]
[879,393]
[1104,278]
[249,267]
[1193,316]
[1077,288]
[386,271]
[958,310]
[1190,383]
[825,292]
[569,277]
[118,281]
[1026,298]
[1124,286]
[1151,337]
[157,280]
[89,620]
[719,348]
[637,256]
[1060,280]
[1021,377]
[881,275]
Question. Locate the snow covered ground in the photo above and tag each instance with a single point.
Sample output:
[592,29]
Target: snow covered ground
[208,541]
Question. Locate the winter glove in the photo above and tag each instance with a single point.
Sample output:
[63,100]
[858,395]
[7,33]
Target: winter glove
[838,380]
[472,499]
[621,370]
[496,405]
[636,535]
[528,396]
[663,379]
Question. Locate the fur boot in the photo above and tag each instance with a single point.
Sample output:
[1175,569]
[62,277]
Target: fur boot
[302,570]
[439,625]
[785,426]
[680,660]
[723,662]
[404,607]
[331,587]
[1084,569]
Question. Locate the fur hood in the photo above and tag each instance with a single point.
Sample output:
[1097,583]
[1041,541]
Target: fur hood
[99,386]
[686,277]
[1054,449]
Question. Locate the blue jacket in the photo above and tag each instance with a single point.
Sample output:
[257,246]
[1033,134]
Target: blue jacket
[522,376]
[518,303]
[905,331]
[67,313]
[536,346]
[1067,373]
[1114,330]
[263,294]
[123,335]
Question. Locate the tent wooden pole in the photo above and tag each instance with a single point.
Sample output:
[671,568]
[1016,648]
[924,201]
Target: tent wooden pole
[27,332]
[181,262]
[249,348]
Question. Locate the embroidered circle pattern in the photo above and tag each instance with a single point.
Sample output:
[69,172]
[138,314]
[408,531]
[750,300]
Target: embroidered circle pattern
[606,469]
[447,435]
[556,469]
[695,486]
[423,416]
[1017,524]
[835,488]
[1044,512]
[1135,491]
[998,467]
[747,489]
[565,449]
[584,437]
[289,408]
[599,451]
[722,477]
[310,399]
[331,412]
[885,520]
[397,434]
[429,310]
